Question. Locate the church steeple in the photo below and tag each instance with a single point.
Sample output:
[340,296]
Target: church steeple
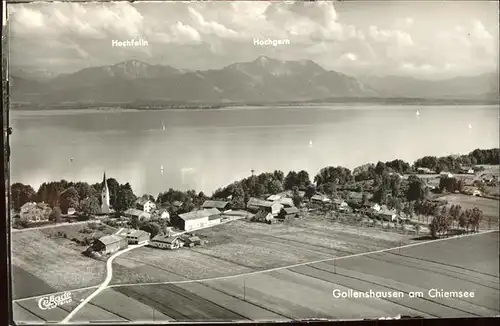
[105,208]
[104,182]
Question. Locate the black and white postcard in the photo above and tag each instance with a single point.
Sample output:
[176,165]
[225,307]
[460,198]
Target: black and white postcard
[234,161]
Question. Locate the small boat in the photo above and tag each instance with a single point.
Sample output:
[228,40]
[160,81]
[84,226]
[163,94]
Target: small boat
[470,126]
[162,125]
[310,143]
[418,113]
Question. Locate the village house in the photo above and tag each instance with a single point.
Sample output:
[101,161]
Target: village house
[255,205]
[282,199]
[289,194]
[320,198]
[274,197]
[198,219]
[222,206]
[425,171]
[109,244]
[192,241]
[135,236]
[356,198]
[161,214]
[472,191]
[233,215]
[166,242]
[289,213]
[445,174]
[395,174]
[286,202]
[145,205]
[376,207]
[264,217]
[387,214]
[466,170]
[137,214]
[35,212]
[340,204]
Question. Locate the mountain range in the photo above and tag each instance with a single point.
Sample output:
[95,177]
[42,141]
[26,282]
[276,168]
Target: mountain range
[262,80]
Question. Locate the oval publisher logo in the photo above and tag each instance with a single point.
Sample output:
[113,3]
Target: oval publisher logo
[52,301]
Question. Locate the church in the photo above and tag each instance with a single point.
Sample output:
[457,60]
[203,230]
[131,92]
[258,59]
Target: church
[105,206]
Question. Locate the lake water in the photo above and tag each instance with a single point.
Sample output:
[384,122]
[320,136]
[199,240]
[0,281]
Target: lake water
[208,149]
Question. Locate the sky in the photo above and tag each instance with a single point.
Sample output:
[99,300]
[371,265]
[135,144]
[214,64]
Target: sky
[426,39]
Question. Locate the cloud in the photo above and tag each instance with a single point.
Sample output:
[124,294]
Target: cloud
[220,33]
[183,33]
[404,23]
[390,36]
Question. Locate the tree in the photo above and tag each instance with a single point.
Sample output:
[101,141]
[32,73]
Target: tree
[310,191]
[297,200]
[114,188]
[429,162]
[450,184]
[55,215]
[339,175]
[417,190]
[364,172]
[21,194]
[439,225]
[152,228]
[275,186]
[328,188]
[409,208]
[397,204]
[238,197]
[49,192]
[85,190]
[303,179]
[462,220]
[69,199]
[399,166]
[417,228]
[475,217]
[381,195]
[125,198]
[148,197]
[380,168]
[279,175]
[290,180]
[89,206]
[364,198]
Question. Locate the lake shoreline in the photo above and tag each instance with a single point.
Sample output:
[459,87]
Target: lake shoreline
[326,106]
[202,106]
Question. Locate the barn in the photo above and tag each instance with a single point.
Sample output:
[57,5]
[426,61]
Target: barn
[109,244]
[198,219]
[256,205]
[220,205]
[165,242]
[135,236]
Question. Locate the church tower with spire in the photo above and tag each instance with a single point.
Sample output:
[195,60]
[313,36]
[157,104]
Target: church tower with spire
[105,209]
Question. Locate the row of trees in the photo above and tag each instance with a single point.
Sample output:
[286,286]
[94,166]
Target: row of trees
[190,200]
[453,163]
[449,218]
[78,195]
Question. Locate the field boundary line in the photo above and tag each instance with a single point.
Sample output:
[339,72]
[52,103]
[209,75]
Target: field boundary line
[303,264]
